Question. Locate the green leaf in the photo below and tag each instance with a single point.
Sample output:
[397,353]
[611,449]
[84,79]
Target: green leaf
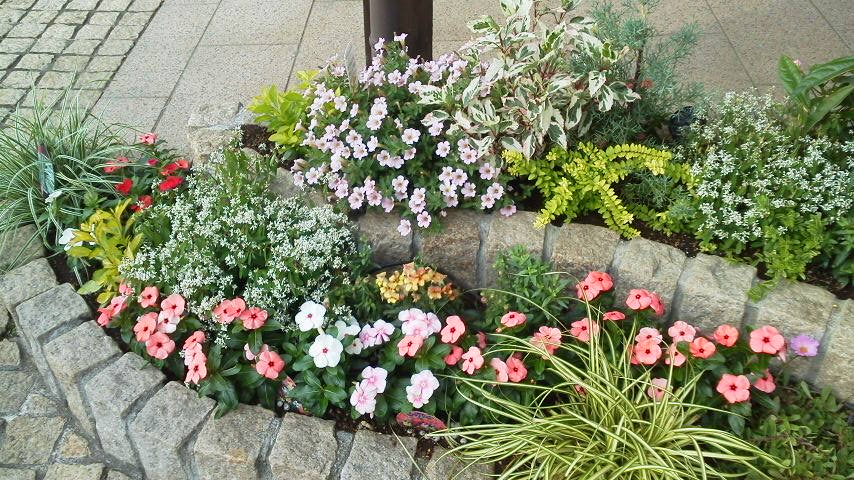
[89,287]
[824,72]
[303,363]
[255,341]
[826,104]
[267,394]
[789,74]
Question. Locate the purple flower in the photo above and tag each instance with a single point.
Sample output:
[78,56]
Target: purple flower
[804,346]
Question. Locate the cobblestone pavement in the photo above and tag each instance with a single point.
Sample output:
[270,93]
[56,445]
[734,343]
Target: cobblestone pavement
[53,44]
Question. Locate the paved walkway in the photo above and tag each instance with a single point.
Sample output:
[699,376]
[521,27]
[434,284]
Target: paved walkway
[207,51]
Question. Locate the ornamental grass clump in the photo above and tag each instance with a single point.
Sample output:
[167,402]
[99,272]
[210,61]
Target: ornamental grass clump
[598,419]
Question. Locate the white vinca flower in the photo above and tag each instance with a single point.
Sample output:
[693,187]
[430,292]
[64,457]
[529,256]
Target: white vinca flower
[310,316]
[345,330]
[326,351]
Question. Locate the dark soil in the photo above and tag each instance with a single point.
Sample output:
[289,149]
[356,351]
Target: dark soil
[257,138]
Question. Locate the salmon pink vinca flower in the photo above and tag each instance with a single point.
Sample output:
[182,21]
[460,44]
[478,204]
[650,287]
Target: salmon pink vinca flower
[702,348]
[148,297]
[197,370]
[734,388]
[766,339]
[481,339]
[648,333]
[228,310]
[500,369]
[681,332]
[516,369]
[172,306]
[198,337]
[454,329]
[674,356]
[614,316]
[766,383]
[583,329]
[647,352]
[159,345]
[253,318]
[599,280]
[587,291]
[269,364]
[472,360]
[145,326]
[148,138]
[454,356]
[409,345]
[726,335]
[657,389]
[638,299]
[247,352]
[547,338]
[512,319]
[656,304]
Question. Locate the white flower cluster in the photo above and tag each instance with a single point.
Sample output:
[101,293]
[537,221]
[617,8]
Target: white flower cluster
[750,173]
[274,253]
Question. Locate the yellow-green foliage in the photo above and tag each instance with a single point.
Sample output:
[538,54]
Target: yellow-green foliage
[581,180]
[282,110]
[105,237]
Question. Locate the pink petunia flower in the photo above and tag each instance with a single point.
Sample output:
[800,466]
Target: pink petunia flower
[472,360]
[726,335]
[734,388]
[454,328]
[766,339]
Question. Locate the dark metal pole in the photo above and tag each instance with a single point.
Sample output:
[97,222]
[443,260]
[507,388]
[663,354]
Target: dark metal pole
[385,18]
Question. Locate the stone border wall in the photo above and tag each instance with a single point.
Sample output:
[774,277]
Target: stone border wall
[705,290]
[160,430]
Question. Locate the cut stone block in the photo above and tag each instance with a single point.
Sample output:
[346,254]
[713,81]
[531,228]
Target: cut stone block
[4,319]
[74,354]
[304,448]
[388,246]
[379,457]
[59,471]
[20,246]
[14,387]
[794,308]
[445,465]
[579,249]
[73,446]
[206,141]
[29,440]
[163,427]
[25,282]
[46,315]
[835,368]
[112,393]
[17,474]
[454,250]
[640,263]
[230,446]
[10,353]
[712,291]
[506,233]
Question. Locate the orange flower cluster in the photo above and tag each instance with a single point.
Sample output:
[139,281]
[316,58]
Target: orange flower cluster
[413,282]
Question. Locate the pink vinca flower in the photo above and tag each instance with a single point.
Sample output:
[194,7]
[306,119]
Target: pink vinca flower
[409,345]
[145,326]
[198,337]
[253,318]
[159,345]
[766,339]
[614,316]
[472,360]
[547,338]
[655,304]
[454,356]
[638,299]
[364,400]
[702,348]
[269,365]
[374,378]
[657,389]
[247,352]
[674,356]
[500,370]
[583,329]
[648,333]
[197,370]
[148,297]
[228,310]
[512,319]
[647,352]
[734,388]
[726,335]
[599,280]
[454,329]
[516,369]
[766,383]
[681,332]
[172,306]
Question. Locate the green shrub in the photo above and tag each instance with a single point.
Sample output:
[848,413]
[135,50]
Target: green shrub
[814,426]
[820,101]
[51,167]
[649,67]
[282,111]
[582,180]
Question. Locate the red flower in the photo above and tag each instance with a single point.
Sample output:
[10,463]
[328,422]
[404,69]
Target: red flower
[143,202]
[152,162]
[125,187]
[148,138]
[171,182]
[169,169]
[183,164]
